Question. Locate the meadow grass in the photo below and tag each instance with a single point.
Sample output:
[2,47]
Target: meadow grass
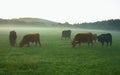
[56,56]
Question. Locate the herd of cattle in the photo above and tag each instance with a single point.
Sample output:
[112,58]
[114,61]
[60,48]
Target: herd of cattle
[66,34]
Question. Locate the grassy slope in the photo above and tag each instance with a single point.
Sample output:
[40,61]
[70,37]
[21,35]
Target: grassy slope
[56,56]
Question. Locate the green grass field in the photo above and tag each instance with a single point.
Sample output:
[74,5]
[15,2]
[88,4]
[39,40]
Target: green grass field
[56,56]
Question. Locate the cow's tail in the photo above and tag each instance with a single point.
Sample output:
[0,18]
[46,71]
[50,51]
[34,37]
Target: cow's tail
[39,39]
[111,41]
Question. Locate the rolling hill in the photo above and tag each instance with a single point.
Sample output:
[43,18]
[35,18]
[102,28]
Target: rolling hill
[27,22]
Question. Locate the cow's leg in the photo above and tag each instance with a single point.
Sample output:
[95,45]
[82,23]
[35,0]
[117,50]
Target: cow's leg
[102,43]
[28,44]
[68,38]
[91,43]
[79,44]
[39,43]
[35,43]
[95,40]
[61,37]
[110,43]
[107,43]
[88,43]
[12,42]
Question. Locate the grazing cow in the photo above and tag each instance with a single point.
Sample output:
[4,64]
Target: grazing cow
[105,38]
[66,34]
[12,38]
[82,38]
[30,38]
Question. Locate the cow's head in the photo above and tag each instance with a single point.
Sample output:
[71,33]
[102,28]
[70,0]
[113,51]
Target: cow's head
[21,44]
[73,44]
[99,38]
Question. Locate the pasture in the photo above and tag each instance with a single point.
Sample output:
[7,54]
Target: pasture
[56,56]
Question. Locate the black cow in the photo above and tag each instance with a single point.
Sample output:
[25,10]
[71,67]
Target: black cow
[12,38]
[105,38]
[66,34]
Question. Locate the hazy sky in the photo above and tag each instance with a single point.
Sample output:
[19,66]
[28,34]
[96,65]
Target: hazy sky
[72,11]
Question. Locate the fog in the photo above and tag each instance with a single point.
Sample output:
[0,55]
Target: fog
[53,28]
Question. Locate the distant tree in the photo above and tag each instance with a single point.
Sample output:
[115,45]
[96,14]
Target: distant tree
[67,23]
[113,24]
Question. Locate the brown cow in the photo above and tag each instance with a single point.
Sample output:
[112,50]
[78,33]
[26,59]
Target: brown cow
[82,38]
[12,38]
[30,38]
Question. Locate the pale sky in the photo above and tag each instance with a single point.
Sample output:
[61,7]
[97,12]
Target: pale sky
[72,11]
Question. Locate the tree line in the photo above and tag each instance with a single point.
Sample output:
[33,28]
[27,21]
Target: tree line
[113,24]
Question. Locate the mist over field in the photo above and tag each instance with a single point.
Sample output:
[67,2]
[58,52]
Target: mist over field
[113,24]
[56,56]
